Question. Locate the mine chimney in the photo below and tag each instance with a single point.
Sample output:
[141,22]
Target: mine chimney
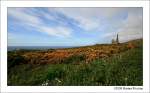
[117,39]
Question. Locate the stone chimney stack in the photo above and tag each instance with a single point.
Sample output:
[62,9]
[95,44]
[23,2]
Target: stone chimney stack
[117,39]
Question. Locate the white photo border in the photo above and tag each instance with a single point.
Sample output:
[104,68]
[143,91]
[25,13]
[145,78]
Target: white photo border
[103,89]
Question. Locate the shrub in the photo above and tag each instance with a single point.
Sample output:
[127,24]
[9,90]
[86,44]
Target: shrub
[15,59]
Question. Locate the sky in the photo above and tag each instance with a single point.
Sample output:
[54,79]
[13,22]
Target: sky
[73,26]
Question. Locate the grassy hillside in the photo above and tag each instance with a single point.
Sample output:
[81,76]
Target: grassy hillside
[102,65]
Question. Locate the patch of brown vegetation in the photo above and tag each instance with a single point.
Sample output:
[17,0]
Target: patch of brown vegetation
[130,45]
[91,53]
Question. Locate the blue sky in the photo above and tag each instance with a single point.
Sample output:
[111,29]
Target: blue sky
[72,26]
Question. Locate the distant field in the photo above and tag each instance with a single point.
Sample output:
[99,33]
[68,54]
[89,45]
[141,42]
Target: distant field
[97,65]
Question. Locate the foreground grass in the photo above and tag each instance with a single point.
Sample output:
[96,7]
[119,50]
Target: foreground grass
[124,69]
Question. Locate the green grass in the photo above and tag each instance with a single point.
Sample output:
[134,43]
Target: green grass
[124,69]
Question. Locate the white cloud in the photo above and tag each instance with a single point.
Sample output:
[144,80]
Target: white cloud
[90,18]
[130,28]
[88,24]
[36,22]
[87,18]
[20,15]
[56,31]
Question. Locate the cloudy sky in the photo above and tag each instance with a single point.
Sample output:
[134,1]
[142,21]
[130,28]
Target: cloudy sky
[72,26]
